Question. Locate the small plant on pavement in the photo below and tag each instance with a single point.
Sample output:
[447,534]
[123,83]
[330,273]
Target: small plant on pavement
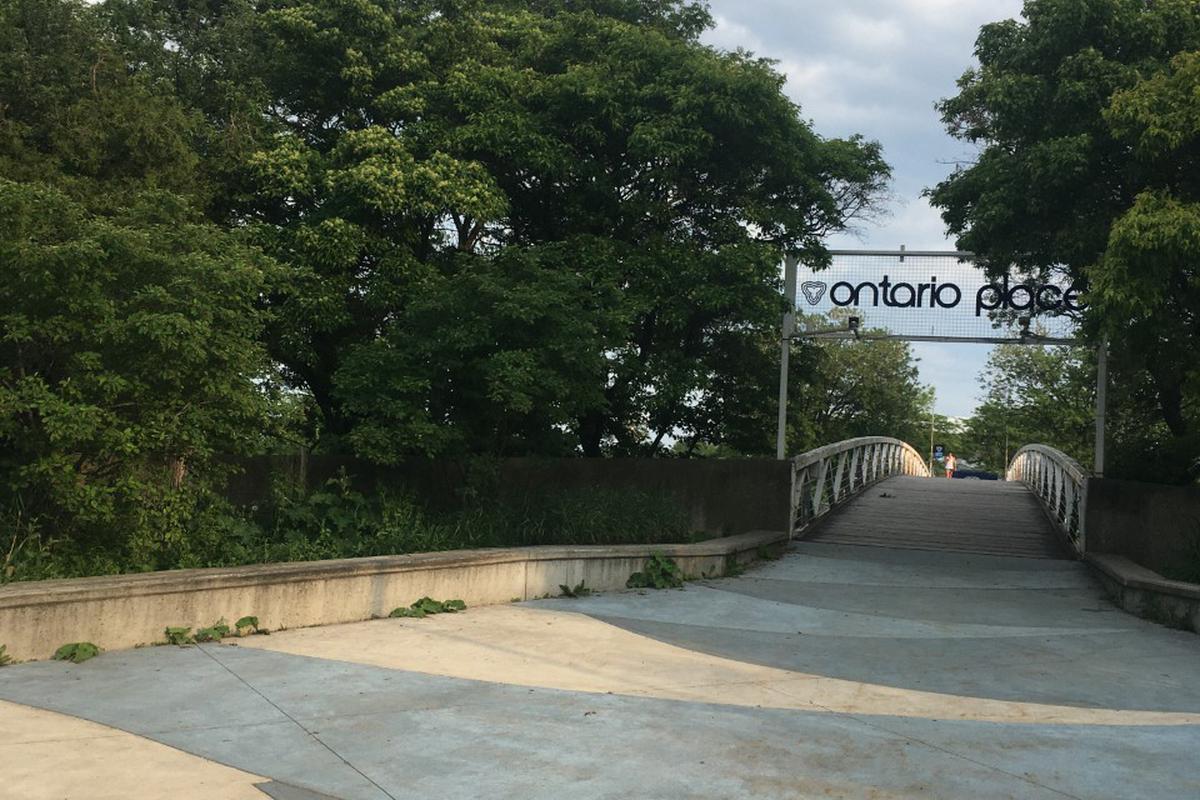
[76,652]
[427,605]
[660,572]
[213,633]
[5,658]
[580,590]
[247,624]
[180,636]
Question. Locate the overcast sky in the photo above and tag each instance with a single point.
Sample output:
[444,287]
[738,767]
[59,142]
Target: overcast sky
[876,67]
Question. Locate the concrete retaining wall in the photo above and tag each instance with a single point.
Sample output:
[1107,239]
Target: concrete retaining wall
[721,496]
[1152,525]
[1146,593]
[117,612]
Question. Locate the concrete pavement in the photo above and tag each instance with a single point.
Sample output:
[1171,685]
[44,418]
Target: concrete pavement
[837,671]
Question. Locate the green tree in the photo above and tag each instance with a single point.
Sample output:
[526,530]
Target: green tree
[74,113]
[837,389]
[1084,113]
[129,325]
[128,359]
[1146,286]
[868,387]
[1032,394]
[515,227]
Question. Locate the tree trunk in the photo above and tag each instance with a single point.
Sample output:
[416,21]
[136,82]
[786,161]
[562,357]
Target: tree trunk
[591,433]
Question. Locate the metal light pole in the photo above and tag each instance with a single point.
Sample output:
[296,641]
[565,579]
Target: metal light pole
[788,328]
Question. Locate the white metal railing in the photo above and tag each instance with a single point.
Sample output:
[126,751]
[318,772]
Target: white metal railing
[826,477]
[1060,483]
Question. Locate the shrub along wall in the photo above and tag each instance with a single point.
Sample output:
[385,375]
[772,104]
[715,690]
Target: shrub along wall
[720,497]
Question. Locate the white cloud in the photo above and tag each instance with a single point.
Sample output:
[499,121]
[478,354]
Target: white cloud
[729,35]
[870,32]
[876,67]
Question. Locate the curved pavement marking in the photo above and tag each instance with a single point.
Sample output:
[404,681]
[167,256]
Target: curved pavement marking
[721,608]
[1058,608]
[830,563]
[49,756]
[571,651]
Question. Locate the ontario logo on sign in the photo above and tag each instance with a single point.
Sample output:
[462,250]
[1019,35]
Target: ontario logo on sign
[928,295]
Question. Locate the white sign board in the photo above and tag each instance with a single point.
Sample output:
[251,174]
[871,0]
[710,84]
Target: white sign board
[932,297]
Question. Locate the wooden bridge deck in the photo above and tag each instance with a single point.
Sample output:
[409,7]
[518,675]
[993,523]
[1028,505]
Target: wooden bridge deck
[963,516]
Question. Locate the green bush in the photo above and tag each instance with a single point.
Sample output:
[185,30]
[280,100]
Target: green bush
[659,572]
[76,652]
[129,355]
[338,521]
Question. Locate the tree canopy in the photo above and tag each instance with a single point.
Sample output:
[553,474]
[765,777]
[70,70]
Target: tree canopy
[1042,395]
[504,227]
[1084,113]
[383,229]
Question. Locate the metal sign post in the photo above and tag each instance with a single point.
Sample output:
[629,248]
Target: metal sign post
[789,326]
[1101,404]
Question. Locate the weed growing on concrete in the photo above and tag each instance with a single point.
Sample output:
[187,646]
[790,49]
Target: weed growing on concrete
[764,554]
[581,590]
[5,658]
[247,624]
[660,572]
[180,636]
[76,652]
[427,605]
[213,633]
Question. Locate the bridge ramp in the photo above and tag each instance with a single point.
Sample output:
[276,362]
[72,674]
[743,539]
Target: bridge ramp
[960,516]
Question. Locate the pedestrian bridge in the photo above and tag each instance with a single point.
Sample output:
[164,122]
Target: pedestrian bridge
[878,492]
[927,639]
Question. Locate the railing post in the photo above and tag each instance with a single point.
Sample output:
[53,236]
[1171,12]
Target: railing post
[837,477]
[819,492]
[1082,523]
[792,502]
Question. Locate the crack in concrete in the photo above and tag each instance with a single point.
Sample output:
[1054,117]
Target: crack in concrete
[299,725]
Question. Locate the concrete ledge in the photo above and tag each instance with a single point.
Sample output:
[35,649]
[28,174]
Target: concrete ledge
[122,611]
[1144,592]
